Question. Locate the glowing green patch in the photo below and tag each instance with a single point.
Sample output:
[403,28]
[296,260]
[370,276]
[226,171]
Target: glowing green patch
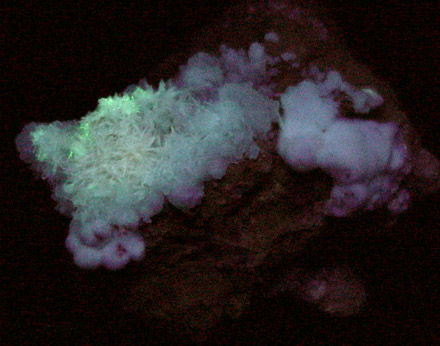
[84,130]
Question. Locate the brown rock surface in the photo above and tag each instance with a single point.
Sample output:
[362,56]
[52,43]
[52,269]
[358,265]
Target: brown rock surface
[203,264]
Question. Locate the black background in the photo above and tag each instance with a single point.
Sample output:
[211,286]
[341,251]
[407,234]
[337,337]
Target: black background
[58,60]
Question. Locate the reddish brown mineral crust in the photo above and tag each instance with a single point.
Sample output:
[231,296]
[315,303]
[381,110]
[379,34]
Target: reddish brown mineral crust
[203,264]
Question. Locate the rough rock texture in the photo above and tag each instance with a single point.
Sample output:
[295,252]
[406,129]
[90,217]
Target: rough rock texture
[204,264]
